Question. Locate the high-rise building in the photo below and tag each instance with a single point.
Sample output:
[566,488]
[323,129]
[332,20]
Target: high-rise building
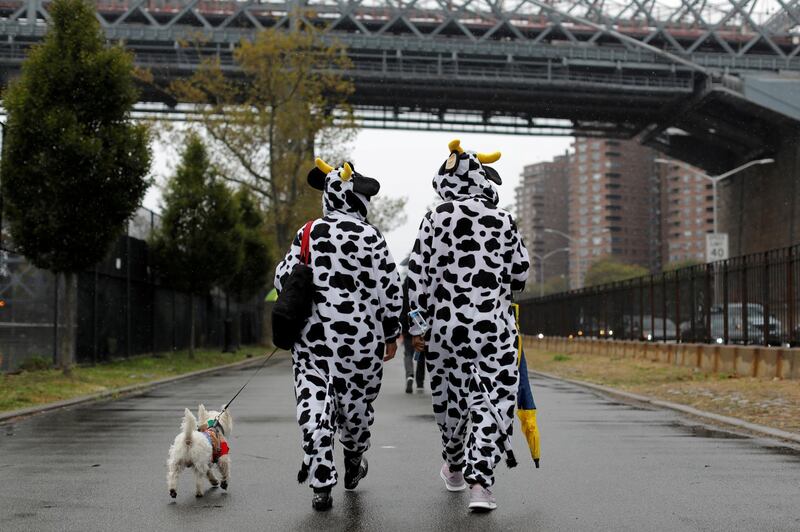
[687,207]
[612,200]
[541,203]
[613,205]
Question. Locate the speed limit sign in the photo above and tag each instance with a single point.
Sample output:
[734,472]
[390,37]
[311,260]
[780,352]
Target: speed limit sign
[716,246]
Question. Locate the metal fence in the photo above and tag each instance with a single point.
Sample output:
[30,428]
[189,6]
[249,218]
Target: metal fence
[752,299]
[122,309]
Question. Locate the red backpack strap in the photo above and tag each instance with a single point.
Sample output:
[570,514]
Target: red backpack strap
[305,248]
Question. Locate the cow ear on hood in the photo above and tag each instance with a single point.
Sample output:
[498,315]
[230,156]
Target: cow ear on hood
[366,186]
[492,175]
[316,178]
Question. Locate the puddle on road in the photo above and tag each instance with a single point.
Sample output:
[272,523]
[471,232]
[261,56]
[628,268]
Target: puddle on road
[426,417]
[700,431]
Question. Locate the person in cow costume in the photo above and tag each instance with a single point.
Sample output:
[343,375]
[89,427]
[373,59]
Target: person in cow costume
[466,261]
[354,324]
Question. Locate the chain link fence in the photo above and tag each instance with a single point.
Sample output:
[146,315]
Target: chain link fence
[122,308]
[752,299]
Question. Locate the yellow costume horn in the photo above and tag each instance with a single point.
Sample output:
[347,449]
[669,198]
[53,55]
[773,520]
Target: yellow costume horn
[488,158]
[347,172]
[455,145]
[322,165]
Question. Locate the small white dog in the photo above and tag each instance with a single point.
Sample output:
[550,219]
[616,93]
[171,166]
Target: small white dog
[200,448]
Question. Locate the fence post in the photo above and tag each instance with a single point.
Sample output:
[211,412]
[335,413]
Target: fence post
[745,317]
[725,331]
[766,320]
[641,308]
[790,297]
[664,306]
[652,308]
[707,303]
[94,317]
[676,278]
[128,290]
[153,293]
[55,319]
[692,303]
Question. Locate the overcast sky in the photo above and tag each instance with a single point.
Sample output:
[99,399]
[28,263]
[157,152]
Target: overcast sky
[405,161]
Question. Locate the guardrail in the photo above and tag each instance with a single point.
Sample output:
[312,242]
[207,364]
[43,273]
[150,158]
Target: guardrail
[752,299]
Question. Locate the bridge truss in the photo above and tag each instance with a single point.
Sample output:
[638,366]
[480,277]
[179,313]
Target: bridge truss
[674,72]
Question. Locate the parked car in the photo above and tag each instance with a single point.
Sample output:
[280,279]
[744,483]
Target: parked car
[736,330]
[651,328]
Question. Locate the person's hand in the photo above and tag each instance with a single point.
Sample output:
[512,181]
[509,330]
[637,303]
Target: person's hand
[419,343]
[391,350]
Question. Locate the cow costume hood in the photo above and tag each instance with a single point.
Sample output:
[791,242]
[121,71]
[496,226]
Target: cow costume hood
[463,175]
[343,189]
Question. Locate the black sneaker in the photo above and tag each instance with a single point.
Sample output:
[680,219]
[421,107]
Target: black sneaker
[409,384]
[322,500]
[354,470]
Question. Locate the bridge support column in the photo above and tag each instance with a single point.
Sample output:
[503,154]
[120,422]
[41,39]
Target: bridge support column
[759,208]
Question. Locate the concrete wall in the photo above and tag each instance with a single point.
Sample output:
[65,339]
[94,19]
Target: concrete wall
[759,208]
[746,361]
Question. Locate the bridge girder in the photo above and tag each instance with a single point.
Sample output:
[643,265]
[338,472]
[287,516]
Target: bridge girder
[607,67]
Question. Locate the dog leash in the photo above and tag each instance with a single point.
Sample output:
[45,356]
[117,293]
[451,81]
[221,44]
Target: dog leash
[216,419]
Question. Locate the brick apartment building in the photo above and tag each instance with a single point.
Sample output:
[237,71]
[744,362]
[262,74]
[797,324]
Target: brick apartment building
[614,200]
[614,205]
[687,207]
[541,203]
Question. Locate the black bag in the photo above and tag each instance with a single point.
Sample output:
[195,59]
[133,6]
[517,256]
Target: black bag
[293,307]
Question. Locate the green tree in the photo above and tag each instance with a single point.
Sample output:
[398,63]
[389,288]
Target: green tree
[74,166]
[266,126]
[199,243]
[678,264]
[608,270]
[253,274]
[387,213]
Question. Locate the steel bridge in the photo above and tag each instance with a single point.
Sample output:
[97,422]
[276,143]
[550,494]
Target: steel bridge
[707,81]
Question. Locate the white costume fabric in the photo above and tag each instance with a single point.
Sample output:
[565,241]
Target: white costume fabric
[467,259]
[338,360]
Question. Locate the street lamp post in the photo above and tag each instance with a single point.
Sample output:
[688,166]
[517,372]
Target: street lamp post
[541,259]
[716,179]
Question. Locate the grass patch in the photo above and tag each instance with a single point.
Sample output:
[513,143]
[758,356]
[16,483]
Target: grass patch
[30,388]
[774,403]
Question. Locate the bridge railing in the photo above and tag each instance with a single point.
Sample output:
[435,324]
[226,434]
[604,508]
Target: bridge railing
[752,299]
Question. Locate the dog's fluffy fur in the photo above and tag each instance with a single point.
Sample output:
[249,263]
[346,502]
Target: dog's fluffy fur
[192,450]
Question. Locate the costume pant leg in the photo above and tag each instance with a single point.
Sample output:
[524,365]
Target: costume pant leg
[421,370]
[408,355]
[314,413]
[483,447]
[355,420]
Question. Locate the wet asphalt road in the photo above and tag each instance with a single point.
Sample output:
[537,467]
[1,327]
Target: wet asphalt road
[605,466]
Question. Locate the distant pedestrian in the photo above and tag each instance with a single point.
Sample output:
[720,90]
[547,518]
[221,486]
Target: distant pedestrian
[467,259]
[355,318]
[411,355]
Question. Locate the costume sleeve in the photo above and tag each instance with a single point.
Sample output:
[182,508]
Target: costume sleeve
[520,263]
[419,280]
[287,264]
[389,288]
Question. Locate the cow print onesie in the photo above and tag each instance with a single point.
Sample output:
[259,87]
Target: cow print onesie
[338,360]
[467,259]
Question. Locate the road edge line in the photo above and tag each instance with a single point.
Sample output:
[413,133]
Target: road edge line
[119,393]
[762,430]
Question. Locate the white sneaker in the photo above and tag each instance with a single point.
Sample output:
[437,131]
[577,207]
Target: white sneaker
[453,480]
[481,499]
